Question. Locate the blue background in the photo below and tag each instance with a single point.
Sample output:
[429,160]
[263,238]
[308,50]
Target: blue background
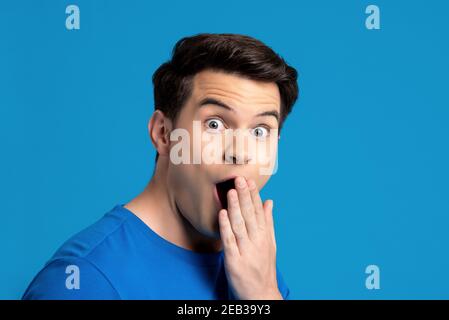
[363,174]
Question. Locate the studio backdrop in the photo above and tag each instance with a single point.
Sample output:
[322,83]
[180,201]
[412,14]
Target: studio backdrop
[362,186]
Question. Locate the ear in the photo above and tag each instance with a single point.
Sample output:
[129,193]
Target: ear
[159,128]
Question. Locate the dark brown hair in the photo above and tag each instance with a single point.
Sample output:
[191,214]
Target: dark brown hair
[231,53]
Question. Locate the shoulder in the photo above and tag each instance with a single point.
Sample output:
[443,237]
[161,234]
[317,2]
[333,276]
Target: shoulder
[91,238]
[74,271]
[70,278]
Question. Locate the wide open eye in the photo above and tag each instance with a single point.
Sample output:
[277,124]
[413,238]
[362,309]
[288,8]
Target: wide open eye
[214,125]
[260,132]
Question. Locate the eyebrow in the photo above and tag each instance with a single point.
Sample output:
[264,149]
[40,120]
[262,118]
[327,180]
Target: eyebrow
[218,103]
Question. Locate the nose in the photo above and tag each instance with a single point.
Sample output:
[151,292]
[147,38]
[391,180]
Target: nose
[236,149]
[239,159]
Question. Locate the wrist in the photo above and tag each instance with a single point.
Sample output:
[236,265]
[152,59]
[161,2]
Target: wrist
[275,295]
[269,295]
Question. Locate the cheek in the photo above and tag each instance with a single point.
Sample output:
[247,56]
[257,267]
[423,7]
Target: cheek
[187,183]
[261,181]
[265,155]
[271,147]
[212,148]
[181,183]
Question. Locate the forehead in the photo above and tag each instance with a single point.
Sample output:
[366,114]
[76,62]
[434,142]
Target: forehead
[236,90]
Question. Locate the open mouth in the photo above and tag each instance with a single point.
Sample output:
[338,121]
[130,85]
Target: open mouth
[222,190]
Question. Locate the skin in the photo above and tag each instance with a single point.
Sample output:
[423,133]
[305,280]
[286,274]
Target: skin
[179,202]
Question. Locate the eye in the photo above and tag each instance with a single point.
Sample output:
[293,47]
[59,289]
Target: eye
[214,125]
[260,132]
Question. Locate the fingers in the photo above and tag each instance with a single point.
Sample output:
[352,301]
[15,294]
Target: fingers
[268,211]
[235,217]
[246,206]
[227,236]
[257,202]
[246,213]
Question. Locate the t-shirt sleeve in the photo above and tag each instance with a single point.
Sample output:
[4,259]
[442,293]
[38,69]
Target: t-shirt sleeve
[282,286]
[70,279]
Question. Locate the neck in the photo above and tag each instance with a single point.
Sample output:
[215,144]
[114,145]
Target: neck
[158,211]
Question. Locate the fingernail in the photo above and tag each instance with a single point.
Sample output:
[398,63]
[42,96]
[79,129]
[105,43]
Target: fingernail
[241,182]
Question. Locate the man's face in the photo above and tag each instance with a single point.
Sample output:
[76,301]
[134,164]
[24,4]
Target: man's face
[224,108]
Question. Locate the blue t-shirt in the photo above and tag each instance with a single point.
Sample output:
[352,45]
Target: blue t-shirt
[120,257]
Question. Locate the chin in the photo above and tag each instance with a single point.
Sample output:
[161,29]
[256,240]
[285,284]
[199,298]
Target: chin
[215,235]
[210,231]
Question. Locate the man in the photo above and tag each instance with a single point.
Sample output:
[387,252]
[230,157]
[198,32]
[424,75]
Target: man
[199,230]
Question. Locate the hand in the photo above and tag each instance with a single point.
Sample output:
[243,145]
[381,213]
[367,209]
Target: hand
[247,233]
